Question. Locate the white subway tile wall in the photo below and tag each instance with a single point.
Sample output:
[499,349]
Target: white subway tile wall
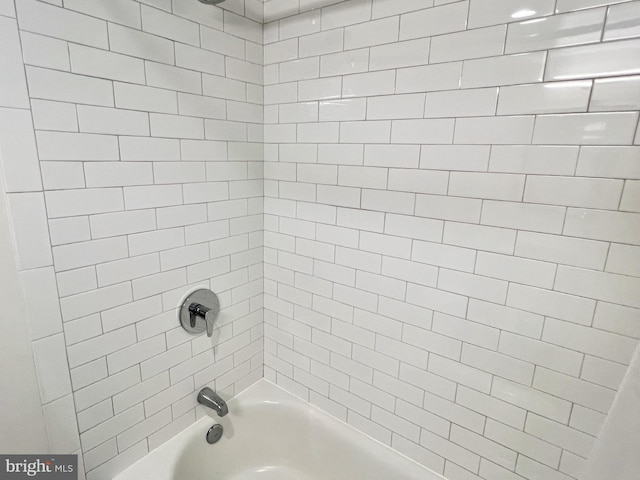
[132,150]
[451,223]
[442,197]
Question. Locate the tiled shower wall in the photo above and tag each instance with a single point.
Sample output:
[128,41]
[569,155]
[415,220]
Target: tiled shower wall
[452,222]
[131,141]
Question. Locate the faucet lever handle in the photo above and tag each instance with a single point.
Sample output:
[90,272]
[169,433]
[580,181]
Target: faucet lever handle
[208,314]
[209,318]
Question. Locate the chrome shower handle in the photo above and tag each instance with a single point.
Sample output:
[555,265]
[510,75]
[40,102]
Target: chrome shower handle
[199,311]
[209,315]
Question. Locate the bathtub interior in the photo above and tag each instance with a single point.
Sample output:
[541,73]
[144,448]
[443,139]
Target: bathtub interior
[271,434]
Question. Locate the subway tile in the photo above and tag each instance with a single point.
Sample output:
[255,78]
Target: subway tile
[39,51]
[556,31]
[541,353]
[69,230]
[523,443]
[117,424]
[531,217]
[375,32]
[173,78]
[43,310]
[463,103]
[622,22]
[123,11]
[169,26]
[198,59]
[401,54]
[313,67]
[571,5]
[242,26]
[615,94]
[76,146]
[13,85]
[593,61]
[117,174]
[49,115]
[19,153]
[490,130]
[533,400]
[434,21]
[137,97]
[584,393]
[608,287]
[586,129]
[448,208]
[394,107]
[386,9]
[100,346]
[368,84]
[98,63]
[513,269]
[602,225]
[505,456]
[531,468]
[623,259]
[503,70]
[506,318]
[299,25]
[554,304]
[199,106]
[586,420]
[130,313]
[66,203]
[603,372]
[465,45]
[460,373]
[534,159]
[486,185]
[134,354]
[479,237]
[320,43]
[51,367]
[427,131]
[343,14]
[140,44]
[563,250]
[559,435]
[216,40]
[365,132]
[61,23]
[66,87]
[127,269]
[491,407]
[599,343]
[342,63]
[557,97]
[455,157]
[474,286]
[443,76]
[504,11]
[112,121]
[32,248]
[61,425]
[158,283]
[438,300]
[449,450]
[575,192]
[608,162]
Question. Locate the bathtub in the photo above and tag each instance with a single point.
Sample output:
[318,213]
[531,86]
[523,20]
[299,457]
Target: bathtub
[270,434]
